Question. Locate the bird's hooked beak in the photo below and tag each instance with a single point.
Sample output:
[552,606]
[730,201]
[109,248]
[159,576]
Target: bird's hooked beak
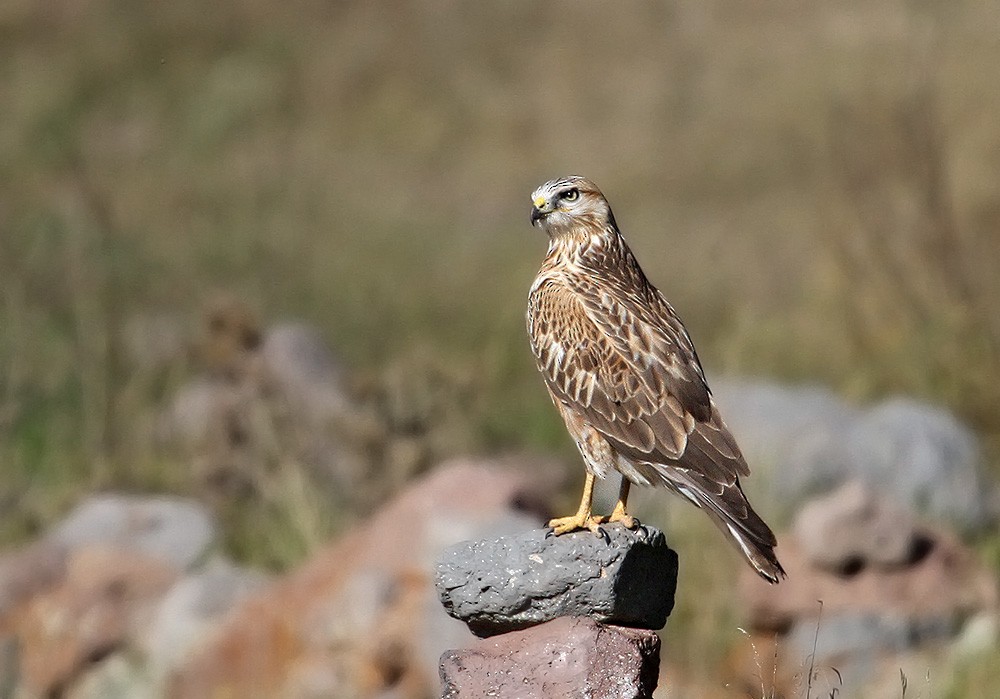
[541,207]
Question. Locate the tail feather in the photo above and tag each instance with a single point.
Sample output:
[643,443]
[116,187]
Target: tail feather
[758,551]
[732,514]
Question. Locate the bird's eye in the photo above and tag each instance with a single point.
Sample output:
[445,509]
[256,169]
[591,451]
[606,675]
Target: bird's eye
[571,194]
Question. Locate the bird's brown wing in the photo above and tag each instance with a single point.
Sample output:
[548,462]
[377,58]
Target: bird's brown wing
[624,363]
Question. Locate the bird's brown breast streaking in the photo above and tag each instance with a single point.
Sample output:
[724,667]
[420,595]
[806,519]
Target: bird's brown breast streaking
[623,372]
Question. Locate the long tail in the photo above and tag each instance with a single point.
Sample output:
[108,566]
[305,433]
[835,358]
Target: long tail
[728,507]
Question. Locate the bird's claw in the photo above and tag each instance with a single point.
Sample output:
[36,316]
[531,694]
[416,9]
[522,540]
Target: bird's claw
[565,525]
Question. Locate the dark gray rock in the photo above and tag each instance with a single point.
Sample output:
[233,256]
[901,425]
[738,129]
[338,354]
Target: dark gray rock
[624,577]
[566,657]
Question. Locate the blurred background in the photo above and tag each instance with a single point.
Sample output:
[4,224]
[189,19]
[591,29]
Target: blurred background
[270,261]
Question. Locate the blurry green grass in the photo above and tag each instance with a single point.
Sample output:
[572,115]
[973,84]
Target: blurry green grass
[368,170]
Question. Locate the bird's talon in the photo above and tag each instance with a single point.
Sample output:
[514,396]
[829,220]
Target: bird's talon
[626,520]
[565,525]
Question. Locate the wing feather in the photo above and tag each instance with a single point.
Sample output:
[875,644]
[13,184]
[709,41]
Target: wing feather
[630,374]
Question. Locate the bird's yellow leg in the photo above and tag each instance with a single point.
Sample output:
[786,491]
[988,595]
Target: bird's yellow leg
[582,519]
[618,514]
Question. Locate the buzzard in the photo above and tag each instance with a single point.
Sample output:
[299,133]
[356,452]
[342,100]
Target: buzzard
[623,372]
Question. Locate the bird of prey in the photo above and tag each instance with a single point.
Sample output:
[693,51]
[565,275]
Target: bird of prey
[623,372]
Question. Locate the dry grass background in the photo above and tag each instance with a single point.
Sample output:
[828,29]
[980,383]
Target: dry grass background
[813,185]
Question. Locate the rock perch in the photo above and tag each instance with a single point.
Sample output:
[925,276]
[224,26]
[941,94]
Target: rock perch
[559,659]
[625,578]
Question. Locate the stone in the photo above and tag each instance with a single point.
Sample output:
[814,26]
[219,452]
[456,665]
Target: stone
[115,677]
[299,363]
[979,635]
[802,441]
[852,528]
[175,530]
[565,657]
[931,594]
[361,617]
[922,456]
[107,596]
[849,617]
[789,435]
[190,610]
[28,571]
[198,412]
[622,577]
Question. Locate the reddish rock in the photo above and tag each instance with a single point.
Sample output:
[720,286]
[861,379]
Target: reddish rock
[566,657]
[105,596]
[362,617]
[852,528]
[27,572]
[847,617]
[946,582]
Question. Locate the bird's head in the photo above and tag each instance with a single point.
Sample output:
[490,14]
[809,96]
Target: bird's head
[567,204]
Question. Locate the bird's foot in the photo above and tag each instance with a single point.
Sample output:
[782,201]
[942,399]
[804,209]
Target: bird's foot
[619,515]
[581,520]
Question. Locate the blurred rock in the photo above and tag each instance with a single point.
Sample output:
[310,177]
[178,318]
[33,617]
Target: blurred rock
[789,435]
[174,530]
[190,610]
[298,363]
[115,677]
[843,639]
[852,528]
[803,441]
[922,456]
[979,635]
[198,412]
[566,657]
[311,411]
[26,572]
[623,577]
[421,405]
[106,596]
[858,603]
[281,394]
[948,582]
[361,618]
